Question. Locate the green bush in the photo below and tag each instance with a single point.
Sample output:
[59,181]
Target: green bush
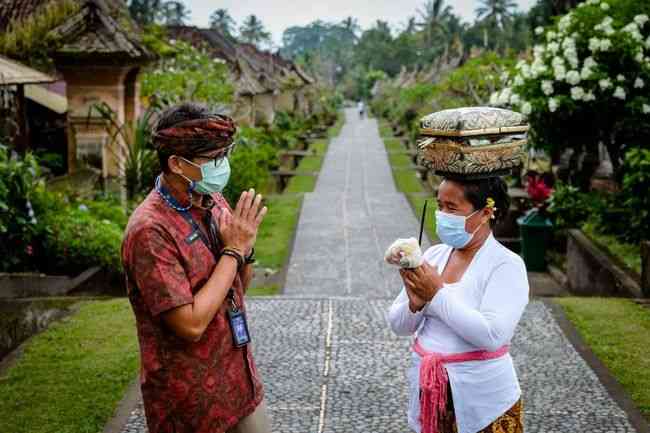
[74,235]
[251,164]
[625,214]
[587,83]
[634,198]
[19,181]
[470,84]
[571,208]
[184,73]
[76,239]
[51,160]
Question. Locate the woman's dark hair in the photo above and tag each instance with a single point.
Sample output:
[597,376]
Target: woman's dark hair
[478,191]
[173,115]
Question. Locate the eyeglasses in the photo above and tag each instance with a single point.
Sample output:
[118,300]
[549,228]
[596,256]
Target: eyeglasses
[221,157]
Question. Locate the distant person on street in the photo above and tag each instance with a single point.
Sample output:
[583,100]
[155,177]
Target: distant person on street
[188,261]
[361,107]
[463,305]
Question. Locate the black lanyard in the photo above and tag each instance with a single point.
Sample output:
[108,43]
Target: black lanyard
[212,240]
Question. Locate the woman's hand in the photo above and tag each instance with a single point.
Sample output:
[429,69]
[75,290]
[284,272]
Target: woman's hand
[395,258]
[422,282]
[239,230]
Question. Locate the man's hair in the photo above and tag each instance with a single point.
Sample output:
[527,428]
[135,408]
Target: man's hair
[173,115]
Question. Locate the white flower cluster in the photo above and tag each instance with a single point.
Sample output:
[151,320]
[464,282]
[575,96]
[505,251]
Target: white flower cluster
[606,26]
[588,68]
[634,31]
[547,87]
[596,44]
[563,73]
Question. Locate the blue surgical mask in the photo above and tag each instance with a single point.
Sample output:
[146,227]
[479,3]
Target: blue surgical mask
[450,229]
[214,178]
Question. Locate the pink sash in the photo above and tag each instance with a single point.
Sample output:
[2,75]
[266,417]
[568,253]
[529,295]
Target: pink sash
[434,380]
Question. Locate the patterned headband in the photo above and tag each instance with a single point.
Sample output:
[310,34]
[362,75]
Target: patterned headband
[196,136]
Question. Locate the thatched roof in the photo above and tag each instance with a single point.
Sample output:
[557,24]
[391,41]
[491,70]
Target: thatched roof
[254,71]
[214,41]
[12,72]
[12,11]
[93,35]
[99,30]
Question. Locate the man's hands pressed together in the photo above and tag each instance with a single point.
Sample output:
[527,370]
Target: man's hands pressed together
[239,230]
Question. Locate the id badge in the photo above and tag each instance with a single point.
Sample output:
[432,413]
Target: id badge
[239,327]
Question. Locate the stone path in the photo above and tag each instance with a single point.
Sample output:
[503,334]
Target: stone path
[327,357]
[346,224]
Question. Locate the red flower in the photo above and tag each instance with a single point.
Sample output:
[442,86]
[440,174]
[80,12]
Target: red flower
[537,190]
[29,250]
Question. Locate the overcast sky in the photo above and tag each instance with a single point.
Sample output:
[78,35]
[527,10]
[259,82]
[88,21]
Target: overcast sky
[277,15]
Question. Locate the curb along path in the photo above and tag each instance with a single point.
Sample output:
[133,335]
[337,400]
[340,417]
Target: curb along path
[328,360]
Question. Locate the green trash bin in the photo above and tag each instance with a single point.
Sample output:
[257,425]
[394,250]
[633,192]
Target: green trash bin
[535,230]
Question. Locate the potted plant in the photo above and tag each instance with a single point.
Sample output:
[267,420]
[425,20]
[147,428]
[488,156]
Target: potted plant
[535,226]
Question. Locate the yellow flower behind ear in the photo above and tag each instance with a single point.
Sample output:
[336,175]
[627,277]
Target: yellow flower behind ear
[489,203]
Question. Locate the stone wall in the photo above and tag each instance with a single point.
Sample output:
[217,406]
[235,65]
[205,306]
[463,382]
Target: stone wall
[591,271]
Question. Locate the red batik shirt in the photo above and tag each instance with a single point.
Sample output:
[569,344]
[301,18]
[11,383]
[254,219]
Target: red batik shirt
[187,387]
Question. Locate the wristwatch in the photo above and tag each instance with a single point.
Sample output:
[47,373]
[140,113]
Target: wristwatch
[250,259]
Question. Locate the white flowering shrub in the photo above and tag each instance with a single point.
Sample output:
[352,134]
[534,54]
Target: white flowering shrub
[589,81]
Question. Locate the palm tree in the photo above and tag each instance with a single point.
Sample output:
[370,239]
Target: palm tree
[145,12]
[174,13]
[222,21]
[495,12]
[434,16]
[411,26]
[253,31]
[351,25]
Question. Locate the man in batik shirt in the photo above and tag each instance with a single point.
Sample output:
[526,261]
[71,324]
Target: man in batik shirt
[188,260]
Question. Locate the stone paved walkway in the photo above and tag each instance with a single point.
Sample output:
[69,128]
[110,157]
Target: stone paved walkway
[346,224]
[328,359]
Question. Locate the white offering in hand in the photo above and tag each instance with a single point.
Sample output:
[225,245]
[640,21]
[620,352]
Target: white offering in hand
[405,253]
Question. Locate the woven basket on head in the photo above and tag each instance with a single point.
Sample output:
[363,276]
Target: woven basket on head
[472,142]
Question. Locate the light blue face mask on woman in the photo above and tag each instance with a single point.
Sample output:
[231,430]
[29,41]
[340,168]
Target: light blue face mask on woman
[450,229]
[214,176]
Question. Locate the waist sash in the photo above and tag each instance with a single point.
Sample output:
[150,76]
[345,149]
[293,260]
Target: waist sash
[434,381]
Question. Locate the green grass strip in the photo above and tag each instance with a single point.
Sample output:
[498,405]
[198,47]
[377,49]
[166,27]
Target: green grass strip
[276,232]
[71,376]
[394,145]
[335,130]
[618,332]
[400,160]
[417,202]
[385,130]
[406,181]
[299,184]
